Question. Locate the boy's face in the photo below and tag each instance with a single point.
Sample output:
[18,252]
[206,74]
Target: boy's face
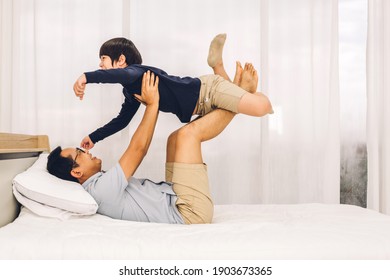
[106,62]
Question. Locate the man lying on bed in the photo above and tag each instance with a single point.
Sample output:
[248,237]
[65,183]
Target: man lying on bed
[184,198]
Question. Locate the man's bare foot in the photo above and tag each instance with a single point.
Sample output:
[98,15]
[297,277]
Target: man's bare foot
[237,76]
[215,51]
[249,78]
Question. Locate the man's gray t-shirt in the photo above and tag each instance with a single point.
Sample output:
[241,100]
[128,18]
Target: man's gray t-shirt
[135,200]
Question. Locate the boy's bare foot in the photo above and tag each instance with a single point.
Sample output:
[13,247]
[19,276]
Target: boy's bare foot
[215,51]
[249,78]
[237,76]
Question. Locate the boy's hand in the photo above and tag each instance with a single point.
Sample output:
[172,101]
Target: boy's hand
[79,86]
[149,92]
[87,143]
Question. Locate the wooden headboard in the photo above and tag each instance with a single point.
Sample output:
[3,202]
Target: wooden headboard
[17,153]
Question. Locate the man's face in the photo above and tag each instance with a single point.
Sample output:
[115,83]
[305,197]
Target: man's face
[86,163]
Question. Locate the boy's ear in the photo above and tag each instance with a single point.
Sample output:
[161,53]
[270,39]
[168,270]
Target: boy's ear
[122,61]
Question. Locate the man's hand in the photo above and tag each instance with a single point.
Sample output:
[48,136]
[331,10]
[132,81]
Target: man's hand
[79,86]
[149,92]
[87,143]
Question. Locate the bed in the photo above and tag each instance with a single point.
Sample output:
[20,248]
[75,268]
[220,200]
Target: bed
[297,231]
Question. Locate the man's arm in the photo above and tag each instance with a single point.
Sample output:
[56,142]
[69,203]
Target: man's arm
[143,135]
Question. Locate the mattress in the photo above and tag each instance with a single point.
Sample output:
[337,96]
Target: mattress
[301,231]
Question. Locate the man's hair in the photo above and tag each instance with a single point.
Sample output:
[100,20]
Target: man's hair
[115,47]
[60,166]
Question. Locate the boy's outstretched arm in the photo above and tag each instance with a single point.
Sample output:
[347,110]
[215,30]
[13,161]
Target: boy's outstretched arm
[126,114]
[139,143]
[108,76]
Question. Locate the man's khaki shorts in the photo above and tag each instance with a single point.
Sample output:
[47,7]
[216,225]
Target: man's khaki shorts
[216,92]
[191,185]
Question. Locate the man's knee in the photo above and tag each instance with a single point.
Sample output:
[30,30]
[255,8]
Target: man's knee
[172,139]
[188,131]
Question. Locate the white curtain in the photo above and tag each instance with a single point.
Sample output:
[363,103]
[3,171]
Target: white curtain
[378,105]
[289,157]
[300,155]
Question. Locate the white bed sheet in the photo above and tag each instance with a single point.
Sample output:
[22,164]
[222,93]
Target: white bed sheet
[302,231]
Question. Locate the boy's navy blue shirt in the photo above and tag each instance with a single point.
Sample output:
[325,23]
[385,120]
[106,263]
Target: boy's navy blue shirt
[177,95]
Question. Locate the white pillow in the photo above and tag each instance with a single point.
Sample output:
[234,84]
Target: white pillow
[47,195]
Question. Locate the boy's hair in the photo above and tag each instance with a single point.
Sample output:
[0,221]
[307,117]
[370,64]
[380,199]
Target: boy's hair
[60,166]
[115,47]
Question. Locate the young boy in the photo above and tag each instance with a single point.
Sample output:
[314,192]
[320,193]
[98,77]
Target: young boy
[121,62]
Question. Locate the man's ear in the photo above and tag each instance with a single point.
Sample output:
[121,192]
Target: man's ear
[77,173]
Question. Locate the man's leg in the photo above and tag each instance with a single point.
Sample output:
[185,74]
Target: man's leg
[185,167]
[184,145]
